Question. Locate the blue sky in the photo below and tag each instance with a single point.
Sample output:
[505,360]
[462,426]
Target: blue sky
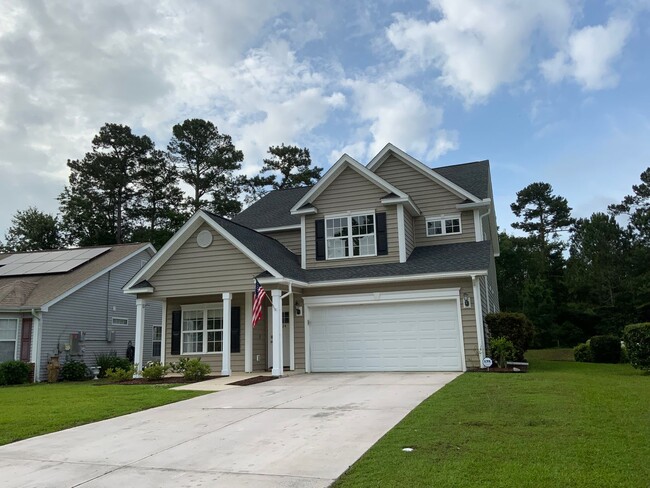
[553,91]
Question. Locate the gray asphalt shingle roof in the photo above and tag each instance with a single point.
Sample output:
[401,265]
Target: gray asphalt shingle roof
[443,258]
[272,210]
[473,177]
[266,248]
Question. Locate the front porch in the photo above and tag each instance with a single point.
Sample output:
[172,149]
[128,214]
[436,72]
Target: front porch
[218,329]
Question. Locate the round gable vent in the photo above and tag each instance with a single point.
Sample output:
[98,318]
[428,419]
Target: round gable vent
[204,239]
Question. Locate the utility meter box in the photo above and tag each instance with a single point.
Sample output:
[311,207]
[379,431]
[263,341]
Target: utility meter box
[110,335]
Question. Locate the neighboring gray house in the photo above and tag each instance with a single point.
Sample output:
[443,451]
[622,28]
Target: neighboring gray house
[382,267]
[70,303]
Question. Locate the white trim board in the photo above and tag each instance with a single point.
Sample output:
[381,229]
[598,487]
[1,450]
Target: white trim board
[382,156]
[279,229]
[344,162]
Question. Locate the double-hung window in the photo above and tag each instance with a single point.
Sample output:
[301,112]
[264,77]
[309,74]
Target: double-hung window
[202,330]
[350,235]
[8,339]
[440,226]
[156,340]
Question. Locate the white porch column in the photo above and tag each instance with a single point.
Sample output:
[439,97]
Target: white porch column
[248,332]
[225,364]
[139,336]
[163,336]
[292,331]
[278,360]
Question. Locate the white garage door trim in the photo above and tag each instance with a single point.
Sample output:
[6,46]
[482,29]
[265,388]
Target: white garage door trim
[383,297]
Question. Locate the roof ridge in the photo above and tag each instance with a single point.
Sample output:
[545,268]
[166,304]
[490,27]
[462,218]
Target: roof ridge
[461,164]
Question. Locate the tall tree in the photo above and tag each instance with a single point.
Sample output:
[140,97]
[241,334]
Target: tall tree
[637,207]
[33,230]
[158,207]
[100,191]
[543,214]
[207,160]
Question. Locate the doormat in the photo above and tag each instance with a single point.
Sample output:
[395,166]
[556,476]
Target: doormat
[254,380]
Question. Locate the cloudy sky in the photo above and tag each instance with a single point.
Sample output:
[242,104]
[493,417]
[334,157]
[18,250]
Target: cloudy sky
[552,91]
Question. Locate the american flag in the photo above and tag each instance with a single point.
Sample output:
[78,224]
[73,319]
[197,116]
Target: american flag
[258,298]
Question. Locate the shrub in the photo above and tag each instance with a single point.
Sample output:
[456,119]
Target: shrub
[115,375]
[154,370]
[179,367]
[582,353]
[111,361]
[637,345]
[14,373]
[605,349]
[515,327]
[502,350]
[195,370]
[74,371]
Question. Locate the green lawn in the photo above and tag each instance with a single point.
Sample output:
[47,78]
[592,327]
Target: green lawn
[564,424]
[29,410]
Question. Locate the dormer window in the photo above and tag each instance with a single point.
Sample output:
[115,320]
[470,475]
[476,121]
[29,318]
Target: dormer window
[350,236]
[443,225]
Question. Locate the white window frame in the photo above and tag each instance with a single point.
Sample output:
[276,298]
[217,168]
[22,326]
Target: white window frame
[204,347]
[154,340]
[349,216]
[443,220]
[113,319]
[17,337]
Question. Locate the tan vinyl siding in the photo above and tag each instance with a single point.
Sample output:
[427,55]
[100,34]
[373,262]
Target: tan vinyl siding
[431,198]
[468,315]
[409,234]
[193,270]
[288,238]
[215,360]
[351,192]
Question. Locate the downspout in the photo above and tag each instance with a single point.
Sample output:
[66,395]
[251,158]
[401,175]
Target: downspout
[36,343]
[480,332]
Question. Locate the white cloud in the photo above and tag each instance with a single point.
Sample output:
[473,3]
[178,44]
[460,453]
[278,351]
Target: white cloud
[396,114]
[589,55]
[478,46]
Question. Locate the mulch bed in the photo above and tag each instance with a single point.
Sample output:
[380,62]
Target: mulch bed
[169,380]
[254,380]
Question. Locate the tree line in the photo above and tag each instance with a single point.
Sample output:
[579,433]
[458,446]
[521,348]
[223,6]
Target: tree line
[576,278]
[126,190]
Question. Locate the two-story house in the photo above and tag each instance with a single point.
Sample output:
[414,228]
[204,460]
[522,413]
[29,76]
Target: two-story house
[383,267]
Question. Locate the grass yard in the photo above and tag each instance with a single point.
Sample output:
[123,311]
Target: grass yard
[30,410]
[562,424]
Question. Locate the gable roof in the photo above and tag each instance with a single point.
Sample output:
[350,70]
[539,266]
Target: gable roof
[42,291]
[389,149]
[266,248]
[344,162]
[273,210]
[474,177]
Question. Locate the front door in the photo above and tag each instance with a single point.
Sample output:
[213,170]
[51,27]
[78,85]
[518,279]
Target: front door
[285,336]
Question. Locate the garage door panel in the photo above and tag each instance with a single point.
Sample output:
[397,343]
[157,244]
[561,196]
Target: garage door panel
[413,336]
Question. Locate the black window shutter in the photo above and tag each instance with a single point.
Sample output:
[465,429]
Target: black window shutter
[176,332]
[320,240]
[235,329]
[382,236]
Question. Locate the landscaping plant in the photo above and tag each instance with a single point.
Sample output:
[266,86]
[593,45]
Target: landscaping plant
[195,370]
[74,371]
[582,353]
[154,370]
[111,361]
[14,373]
[502,350]
[515,327]
[605,349]
[637,345]
[115,375]
[179,367]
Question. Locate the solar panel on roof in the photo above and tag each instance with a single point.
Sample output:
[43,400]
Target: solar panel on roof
[48,262]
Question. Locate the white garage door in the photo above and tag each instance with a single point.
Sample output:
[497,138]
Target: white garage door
[413,336]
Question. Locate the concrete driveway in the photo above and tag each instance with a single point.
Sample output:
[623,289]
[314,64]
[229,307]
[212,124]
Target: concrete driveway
[298,431]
